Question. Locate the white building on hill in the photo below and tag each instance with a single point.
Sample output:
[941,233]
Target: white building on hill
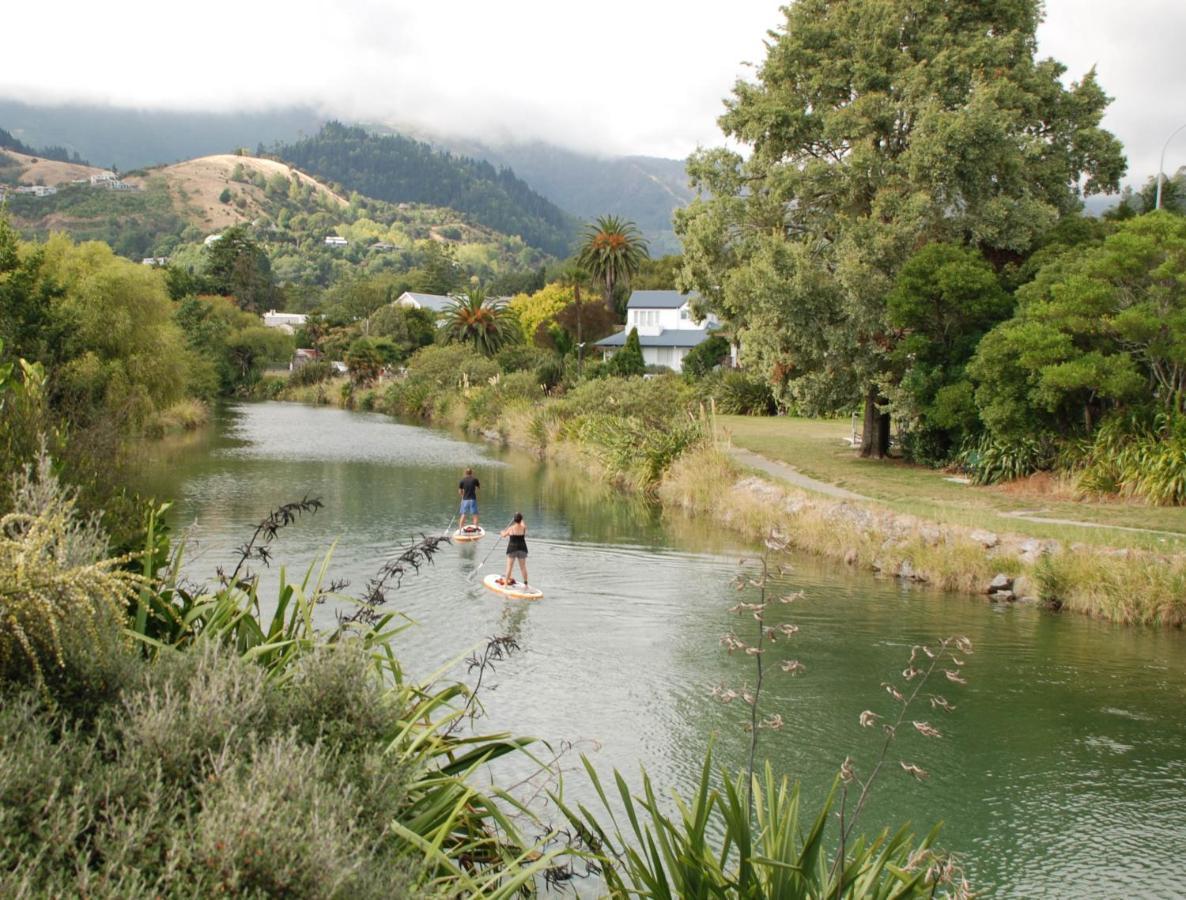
[666,328]
[437,303]
[286,322]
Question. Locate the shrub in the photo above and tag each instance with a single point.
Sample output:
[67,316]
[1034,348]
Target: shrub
[738,394]
[451,366]
[628,361]
[59,593]
[1141,453]
[705,357]
[989,461]
[311,373]
[521,357]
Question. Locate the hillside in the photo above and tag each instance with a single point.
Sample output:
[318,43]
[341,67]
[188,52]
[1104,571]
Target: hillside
[22,168]
[401,170]
[644,189]
[197,184]
[170,210]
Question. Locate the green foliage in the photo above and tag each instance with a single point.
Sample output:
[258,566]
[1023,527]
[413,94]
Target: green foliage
[709,845]
[311,373]
[990,460]
[253,348]
[539,310]
[364,361]
[436,375]
[612,251]
[521,358]
[861,149]
[1141,453]
[945,298]
[1101,326]
[628,361]
[485,323]
[739,394]
[237,266]
[398,169]
[705,356]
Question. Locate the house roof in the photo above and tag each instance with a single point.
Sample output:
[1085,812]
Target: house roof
[659,299]
[669,337]
[435,302]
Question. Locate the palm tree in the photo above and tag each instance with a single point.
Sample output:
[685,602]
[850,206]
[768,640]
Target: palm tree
[474,318]
[612,252]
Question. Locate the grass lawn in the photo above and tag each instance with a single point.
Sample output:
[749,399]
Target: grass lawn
[819,448]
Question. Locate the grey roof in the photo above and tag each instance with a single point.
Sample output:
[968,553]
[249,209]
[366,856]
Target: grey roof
[670,337]
[659,299]
[435,302]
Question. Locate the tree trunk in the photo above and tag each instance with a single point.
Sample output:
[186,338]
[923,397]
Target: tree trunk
[875,436]
[576,292]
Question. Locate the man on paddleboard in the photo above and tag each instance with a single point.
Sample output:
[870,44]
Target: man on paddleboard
[467,490]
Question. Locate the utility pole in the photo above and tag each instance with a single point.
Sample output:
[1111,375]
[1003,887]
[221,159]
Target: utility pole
[1161,164]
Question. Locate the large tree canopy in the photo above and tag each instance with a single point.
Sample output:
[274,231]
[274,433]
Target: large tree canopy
[876,127]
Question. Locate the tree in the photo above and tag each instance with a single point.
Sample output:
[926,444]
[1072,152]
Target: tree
[876,127]
[473,318]
[612,251]
[536,311]
[944,300]
[628,361]
[365,362]
[1097,329]
[237,266]
[705,356]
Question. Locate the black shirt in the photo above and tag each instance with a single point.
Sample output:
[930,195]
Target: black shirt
[469,487]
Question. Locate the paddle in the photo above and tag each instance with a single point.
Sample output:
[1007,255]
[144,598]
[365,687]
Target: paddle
[487,556]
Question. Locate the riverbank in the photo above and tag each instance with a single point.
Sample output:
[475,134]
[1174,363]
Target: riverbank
[649,437]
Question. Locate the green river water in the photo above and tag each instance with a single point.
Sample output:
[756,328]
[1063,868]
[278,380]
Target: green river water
[1061,773]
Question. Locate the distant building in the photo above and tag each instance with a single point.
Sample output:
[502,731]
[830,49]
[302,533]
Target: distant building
[333,240]
[211,238]
[436,303]
[382,245]
[286,322]
[155,261]
[37,190]
[103,179]
[666,328]
[302,356]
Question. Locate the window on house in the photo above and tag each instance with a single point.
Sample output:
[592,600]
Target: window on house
[683,314]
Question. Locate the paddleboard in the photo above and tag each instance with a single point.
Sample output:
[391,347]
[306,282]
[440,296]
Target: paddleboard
[516,591]
[460,535]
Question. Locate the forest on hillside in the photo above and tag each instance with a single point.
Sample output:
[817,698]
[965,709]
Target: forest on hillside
[402,170]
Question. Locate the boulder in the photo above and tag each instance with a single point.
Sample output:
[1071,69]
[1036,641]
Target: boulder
[905,569]
[1024,589]
[1001,582]
[850,556]
[986,539]
[1002,597]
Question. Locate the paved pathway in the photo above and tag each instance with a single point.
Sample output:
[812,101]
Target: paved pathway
[790,473]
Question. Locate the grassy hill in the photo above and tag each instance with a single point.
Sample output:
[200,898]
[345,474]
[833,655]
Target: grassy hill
[172,209]
[402,170]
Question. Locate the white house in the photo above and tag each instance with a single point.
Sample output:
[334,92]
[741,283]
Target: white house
[104,179]
[335,240]
[666,327]
[436,303]
[286,322]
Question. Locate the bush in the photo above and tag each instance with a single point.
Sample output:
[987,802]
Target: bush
[521,357]
[310,373]
[1141,453]
[989,461]
[737,394]
[451,366]
[628,361]
[705,357]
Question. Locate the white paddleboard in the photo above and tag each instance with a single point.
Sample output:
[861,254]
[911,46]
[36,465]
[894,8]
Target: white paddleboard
[516,591]
[462,535]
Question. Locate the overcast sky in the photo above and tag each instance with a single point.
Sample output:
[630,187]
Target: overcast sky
[618,76]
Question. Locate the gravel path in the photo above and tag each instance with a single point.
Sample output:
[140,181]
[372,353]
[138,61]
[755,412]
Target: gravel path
[791,474]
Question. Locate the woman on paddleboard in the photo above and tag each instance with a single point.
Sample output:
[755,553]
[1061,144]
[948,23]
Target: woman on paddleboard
[516,535]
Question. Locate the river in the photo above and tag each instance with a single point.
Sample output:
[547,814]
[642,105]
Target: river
[1061,772]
